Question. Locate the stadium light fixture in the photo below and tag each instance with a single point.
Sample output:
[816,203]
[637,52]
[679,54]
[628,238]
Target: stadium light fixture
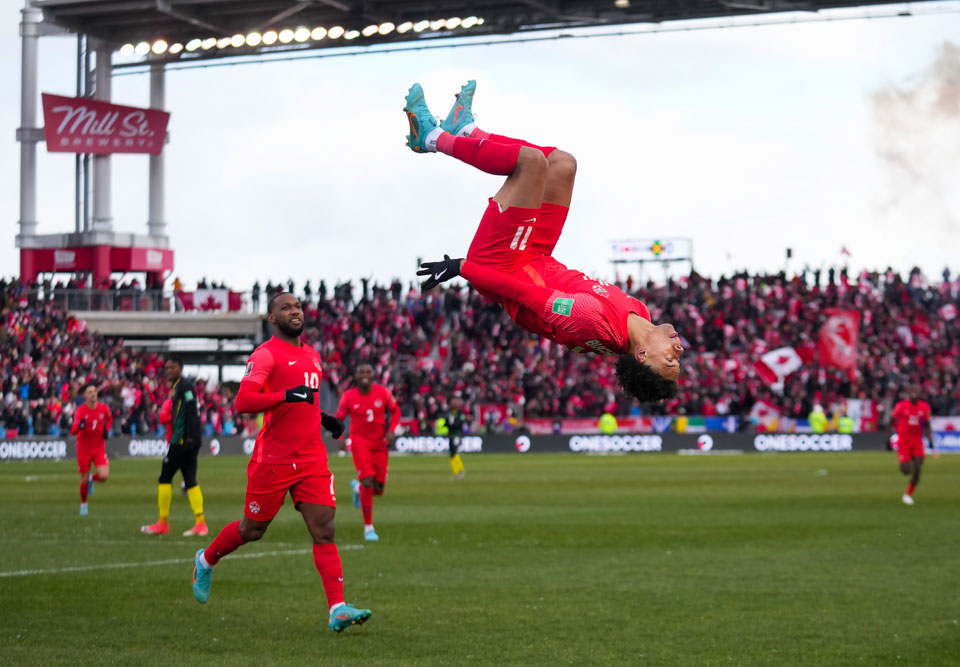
[302,34]
[269,37]
[453,23]
[237,41]
[159,47]
[254,39]
[480,21]
[286,36]
[621,4]
[469,22]
[223,42]
[352,34]
[194,44]
[318,33]
[421,26]
[336,32]
[370,30]
[386,28]
[209,43]
[438,24]
[142,49]
[406,26]
[175,48]
[126,50]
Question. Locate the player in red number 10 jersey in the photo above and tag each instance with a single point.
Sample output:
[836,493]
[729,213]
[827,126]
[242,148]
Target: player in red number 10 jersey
[510,260]
[913,422]
[289,456]
[367,404]
[91,423]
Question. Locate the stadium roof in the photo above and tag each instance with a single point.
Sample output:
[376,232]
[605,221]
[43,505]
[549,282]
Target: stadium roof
[177,30]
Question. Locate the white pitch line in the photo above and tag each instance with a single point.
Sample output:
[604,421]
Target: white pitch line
[169,561]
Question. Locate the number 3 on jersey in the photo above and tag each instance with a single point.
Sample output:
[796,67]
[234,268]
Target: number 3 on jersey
[312,380]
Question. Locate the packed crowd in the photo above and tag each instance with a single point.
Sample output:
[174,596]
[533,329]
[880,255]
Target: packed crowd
[429,347]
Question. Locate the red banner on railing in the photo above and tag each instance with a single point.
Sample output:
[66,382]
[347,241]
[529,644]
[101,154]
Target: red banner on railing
[84,125]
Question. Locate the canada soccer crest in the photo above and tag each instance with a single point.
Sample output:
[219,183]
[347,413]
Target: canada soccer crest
[378,404]
[254,507]
[601,290]
[316,362]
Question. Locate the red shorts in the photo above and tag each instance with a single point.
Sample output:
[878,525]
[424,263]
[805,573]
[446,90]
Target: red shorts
[268,483]
[507,240]
[370,461]
[88,455]
[909,448]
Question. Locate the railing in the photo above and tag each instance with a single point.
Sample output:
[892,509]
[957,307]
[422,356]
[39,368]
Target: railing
[140,300]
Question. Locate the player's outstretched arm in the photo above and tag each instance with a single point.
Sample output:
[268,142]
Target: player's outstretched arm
[332,424]
[439,272]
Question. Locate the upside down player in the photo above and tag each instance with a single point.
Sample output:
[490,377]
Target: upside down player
[913,422]
[91,423]
[510,259]
[367,404]
[289,456]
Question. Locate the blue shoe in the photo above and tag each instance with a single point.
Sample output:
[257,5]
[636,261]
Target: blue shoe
[346,615]
[201,579]
[355,487]
[83,509]
[422,122]
[370,535]
[461,113]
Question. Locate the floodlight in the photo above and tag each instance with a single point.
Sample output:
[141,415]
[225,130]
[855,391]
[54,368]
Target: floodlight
[237,41]
[286,36]
[126,50]
[142,49]
[438,24]
[194,44]
[209,43]
[318,33]
[352,34]
[370,30]
[421,26]
[223,42]
[336,32]
[254,39]
[469,22]
[302,34]
[406,26]
[453,22]
[386,28]
[175,48]
[270,37]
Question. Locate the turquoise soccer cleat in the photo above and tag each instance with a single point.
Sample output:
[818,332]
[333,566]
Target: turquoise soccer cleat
[201,579]
[422,122]
[370,535]
[355,487]
[461,113]
[346,615]
[83,509]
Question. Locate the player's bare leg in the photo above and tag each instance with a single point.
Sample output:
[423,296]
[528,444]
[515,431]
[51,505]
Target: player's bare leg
[326,558]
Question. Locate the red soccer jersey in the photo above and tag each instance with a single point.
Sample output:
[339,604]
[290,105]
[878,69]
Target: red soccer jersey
[96,423]
[291,431]
[368,422]
[910,419]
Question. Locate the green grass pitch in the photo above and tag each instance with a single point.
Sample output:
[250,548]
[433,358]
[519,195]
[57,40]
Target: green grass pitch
[541,559]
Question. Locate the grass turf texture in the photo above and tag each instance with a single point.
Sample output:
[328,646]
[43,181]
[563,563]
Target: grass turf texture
[660,559]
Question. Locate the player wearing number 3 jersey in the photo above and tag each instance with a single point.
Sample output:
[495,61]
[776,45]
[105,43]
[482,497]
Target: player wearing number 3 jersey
[510,260]
[281,379]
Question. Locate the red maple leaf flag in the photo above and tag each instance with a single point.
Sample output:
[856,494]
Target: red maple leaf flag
[778,364]
[837,345]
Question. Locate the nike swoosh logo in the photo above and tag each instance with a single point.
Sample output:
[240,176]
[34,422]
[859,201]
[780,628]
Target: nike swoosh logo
[437,276]
[291,363]
[456,112]
[300,395]
[531,220]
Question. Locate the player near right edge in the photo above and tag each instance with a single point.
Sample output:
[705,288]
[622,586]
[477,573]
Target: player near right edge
[913,422]
[370,434]
[289,456]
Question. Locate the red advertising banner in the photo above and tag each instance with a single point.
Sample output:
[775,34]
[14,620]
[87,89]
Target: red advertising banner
[838,339]
[84,125]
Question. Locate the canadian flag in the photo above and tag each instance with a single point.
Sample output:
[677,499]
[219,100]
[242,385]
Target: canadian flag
[778,364]
[948,312]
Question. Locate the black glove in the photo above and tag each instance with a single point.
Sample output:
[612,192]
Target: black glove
[332,424]
[105,430]
[83,422]
[439,272]
[301,394]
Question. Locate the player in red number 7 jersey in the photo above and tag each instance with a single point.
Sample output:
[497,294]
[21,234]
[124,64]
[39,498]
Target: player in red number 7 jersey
[91,423]
[510,259]
[367,404]
[913,422]
[289,456]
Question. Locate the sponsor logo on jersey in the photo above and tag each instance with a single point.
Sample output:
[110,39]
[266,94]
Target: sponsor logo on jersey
[254,507]
[601,291]
[597,346]
[562,307]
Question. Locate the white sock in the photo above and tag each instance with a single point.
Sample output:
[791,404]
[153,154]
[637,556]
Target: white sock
[467,129]
[337,606]
[431,142]
[367,527]
[203,561]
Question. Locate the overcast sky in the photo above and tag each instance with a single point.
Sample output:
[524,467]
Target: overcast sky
[748,140]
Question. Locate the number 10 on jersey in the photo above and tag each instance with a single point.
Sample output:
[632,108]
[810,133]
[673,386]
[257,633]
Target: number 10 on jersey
[312,380]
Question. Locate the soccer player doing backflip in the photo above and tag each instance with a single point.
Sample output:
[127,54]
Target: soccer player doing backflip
[913,422]
[510,260]
[289,456]
[367,404]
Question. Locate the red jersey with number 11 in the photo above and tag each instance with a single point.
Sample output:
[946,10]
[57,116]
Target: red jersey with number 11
[368,421]
[291,431]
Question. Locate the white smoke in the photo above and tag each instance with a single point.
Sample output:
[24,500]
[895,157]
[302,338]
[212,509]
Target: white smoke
[918,138]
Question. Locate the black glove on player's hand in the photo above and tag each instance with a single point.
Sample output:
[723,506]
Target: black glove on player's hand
[439,272]
[301,394]
[332,424]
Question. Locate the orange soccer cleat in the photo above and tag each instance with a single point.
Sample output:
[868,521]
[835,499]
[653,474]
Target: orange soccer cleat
[199,529]
[158,528]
